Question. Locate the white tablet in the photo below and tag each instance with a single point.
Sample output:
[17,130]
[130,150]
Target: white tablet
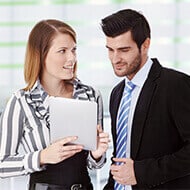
[70,117]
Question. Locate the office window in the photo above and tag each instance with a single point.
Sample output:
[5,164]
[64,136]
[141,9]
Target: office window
[169,21]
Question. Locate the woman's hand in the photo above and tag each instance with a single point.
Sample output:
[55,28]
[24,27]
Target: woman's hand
[59,151]
[102,146]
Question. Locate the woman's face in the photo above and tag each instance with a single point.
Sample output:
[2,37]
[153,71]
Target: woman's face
[60,59]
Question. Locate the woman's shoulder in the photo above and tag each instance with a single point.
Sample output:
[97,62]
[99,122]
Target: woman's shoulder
[14,98]
[19,93]
[81,87]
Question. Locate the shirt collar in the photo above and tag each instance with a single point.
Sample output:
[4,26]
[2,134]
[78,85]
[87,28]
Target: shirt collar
[142,74]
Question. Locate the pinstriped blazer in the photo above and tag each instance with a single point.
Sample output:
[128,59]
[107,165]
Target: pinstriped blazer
[25,121]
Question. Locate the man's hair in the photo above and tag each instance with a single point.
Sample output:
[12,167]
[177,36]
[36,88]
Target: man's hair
[124,21]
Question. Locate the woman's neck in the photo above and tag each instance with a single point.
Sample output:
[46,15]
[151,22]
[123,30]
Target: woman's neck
[58,89]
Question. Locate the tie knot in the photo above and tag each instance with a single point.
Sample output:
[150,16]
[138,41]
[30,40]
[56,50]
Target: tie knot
[129,86]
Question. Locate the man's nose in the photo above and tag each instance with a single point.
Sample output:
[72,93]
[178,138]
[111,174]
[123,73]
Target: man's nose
[116,58]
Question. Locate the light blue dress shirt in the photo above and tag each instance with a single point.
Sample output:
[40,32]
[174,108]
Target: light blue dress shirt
[139,80]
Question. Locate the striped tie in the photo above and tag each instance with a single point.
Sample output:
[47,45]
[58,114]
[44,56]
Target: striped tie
[122,126]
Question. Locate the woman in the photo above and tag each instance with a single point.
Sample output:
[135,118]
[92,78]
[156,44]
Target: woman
[50,70]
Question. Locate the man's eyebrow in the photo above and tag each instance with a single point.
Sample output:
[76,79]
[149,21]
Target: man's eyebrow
[125,47]
[120,48]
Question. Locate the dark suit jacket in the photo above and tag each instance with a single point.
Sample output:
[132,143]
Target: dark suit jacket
[160,138]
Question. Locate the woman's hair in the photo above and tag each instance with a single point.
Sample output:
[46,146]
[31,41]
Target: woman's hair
[124,21]
[39,43]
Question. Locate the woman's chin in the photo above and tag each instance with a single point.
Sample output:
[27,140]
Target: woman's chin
[68,77]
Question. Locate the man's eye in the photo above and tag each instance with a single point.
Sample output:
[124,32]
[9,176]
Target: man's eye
[124,50]
[110,50]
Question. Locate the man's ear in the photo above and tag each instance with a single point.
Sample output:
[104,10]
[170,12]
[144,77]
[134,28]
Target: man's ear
[145,46]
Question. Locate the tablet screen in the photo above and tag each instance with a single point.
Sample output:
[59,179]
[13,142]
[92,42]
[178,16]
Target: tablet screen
[71,117]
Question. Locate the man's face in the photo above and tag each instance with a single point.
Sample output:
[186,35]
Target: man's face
[124,55]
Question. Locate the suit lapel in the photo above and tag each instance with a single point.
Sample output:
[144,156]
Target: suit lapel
[142,107]
[114,106]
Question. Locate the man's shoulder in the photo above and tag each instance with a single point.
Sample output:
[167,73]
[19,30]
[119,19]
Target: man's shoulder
[118,86]
[174,74]
[168,72]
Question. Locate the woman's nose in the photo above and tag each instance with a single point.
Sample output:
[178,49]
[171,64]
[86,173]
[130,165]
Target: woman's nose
[71,57]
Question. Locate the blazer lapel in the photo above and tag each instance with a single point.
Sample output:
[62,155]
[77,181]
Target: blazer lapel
[114,106]
[142,107]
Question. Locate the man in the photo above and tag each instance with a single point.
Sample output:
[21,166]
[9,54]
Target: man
[157,150]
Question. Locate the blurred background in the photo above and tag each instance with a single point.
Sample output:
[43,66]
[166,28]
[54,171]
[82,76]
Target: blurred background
[170,25]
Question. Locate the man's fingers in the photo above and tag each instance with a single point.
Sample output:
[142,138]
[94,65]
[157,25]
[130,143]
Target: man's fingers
[123,160]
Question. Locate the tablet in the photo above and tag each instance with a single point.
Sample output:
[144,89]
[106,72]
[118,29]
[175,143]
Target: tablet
[71,117]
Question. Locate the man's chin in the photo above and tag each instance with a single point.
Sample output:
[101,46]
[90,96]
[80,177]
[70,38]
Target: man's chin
[120,74]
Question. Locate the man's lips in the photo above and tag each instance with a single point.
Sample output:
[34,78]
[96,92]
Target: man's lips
[119,66]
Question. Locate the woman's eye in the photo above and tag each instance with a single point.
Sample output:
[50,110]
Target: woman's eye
[74,50]
[62,51]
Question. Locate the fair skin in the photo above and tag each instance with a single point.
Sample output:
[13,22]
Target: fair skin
[127,60]
[59,67]
[125,56]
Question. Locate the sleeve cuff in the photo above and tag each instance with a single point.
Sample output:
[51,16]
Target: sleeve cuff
[93,164]
[32,162]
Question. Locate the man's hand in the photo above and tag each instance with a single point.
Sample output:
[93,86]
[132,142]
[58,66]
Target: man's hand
[124,173]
